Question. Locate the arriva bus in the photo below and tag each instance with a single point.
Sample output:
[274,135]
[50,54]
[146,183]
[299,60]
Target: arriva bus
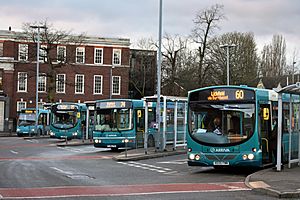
[68,120]
[26,122]
[118,123]
[237,126]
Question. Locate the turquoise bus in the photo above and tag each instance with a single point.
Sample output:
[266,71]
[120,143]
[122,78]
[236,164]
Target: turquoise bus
[27,120]
[118,123]
[68,120]
[237,126]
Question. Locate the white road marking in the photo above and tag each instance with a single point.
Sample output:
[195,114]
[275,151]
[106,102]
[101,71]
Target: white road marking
[14,152]
[62,171]
[176,162]
[33,140]
[149,167]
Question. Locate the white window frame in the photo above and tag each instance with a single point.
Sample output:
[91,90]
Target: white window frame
[101,82]
[113,84]
[23,51]
[117,54]
[97,55]
[25,82]
[79,50]
[63,84]
[21,102]
[76,84]
[42,82]
[64,52]
[43,53]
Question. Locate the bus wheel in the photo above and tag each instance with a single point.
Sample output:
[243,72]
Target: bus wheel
[151,141]
[39,132]
[114,148]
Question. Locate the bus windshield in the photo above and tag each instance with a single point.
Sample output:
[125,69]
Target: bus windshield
[64,118]
[26,119]
[221,123]
[113,120]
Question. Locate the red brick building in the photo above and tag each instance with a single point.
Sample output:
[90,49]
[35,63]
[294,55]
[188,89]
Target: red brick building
[98,68]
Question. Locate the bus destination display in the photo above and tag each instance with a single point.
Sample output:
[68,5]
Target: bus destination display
[114,104]
[222,94]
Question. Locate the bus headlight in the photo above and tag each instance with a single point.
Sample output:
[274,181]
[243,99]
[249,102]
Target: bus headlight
[192,156]
[18,130]
[245,157]
[32,130]
[51,133]
[74,134]
[197,157]
[251,156]
[96,141]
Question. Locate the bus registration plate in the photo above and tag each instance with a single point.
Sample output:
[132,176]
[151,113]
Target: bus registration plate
[111,145]
[221,163]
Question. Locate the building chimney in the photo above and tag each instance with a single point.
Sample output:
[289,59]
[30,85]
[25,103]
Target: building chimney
[9,28]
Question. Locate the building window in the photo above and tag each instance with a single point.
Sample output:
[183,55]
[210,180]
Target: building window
[79,84]
[117,57]
[23,51]
[80,55]
[61,53]
[43,53]
[97,84]
[1,79]
[21,105]
[1,49]
[22,82]
[42,83]
[116,85]
[60,83]
[98,59]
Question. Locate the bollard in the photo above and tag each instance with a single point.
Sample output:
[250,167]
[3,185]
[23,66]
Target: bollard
[126,141]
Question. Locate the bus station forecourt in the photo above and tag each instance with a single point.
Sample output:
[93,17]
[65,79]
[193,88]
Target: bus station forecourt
[282,182]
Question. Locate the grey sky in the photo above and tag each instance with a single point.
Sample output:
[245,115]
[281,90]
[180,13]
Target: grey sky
[135,19]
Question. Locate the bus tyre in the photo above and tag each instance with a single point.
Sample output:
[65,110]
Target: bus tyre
[151,141]
[39,132]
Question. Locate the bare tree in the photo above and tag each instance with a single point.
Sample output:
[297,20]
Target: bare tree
[50,38]
[273,57]
[243,59]
[205,24]
[142,69]
[173,53]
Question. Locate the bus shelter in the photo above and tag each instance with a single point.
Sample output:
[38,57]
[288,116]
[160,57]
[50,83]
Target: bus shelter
[89,119]
[172,121]
[288,114]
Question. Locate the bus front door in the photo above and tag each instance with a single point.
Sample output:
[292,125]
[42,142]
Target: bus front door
[265,132]
[140,127]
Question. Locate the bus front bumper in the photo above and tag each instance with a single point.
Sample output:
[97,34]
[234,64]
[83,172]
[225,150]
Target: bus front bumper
[120,142]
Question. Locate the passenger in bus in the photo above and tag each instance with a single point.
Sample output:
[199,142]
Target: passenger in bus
[217,126]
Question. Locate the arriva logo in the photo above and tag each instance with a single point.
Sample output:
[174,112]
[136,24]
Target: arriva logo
[219,150]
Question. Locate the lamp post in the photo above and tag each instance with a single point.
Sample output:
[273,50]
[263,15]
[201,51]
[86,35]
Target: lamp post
[37,76]
[157,143]
[293,73]
[227,46]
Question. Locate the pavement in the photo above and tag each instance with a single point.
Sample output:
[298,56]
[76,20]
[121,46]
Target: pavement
[283,184]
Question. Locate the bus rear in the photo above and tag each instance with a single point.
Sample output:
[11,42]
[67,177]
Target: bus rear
[222,127]
[118,123]
[27,120]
